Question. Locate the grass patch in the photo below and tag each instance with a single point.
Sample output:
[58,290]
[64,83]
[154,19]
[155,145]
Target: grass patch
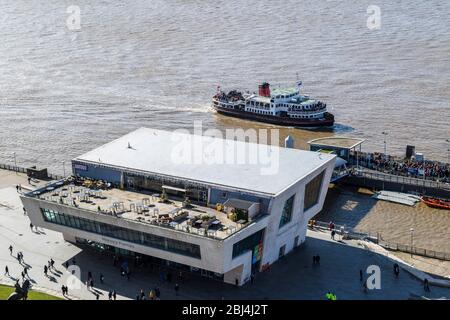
[5,291]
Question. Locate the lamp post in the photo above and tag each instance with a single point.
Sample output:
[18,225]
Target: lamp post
[384,133]
[448,150]
[15,162]
[412,236]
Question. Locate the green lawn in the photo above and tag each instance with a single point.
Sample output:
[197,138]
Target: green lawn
[5,291]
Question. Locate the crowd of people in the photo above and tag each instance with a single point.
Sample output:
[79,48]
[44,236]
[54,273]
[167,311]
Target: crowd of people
[432,170]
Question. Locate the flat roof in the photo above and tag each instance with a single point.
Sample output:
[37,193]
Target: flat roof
[339,142]
[267,169]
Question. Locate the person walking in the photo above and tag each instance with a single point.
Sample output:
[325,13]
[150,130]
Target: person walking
[333,234]
[7,271]
[24,211]
[63,290]
[31,226]
[318,259]
[110,295]
[45,270]
[52,263]
[10,249]
[396,270]
[114,294]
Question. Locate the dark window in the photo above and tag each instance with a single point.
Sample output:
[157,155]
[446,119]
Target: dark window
[286,214]
[312,191]
[176,246]
[247,244]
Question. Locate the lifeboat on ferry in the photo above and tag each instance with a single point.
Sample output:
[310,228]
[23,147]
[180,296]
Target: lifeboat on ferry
[436,203]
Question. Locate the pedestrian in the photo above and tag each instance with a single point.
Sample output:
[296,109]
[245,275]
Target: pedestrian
[25,271]
[360,275]
[426,285]
[137,296]
[102,278]
[45,270]
[24,211]
[29,180]
[97,296]
[31,226]
[396,270]
[63,290]
[52,263]
[10,249]
[91,283]
[7,271]
[177,288]
[332,234]
[67,290]
[114,294]
[142,294]
[110,295]
[236,282]
[19,257]
[318,259]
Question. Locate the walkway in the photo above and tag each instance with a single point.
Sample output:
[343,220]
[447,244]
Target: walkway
[294,277]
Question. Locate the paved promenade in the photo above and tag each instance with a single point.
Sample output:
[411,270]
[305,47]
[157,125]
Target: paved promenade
[294,277]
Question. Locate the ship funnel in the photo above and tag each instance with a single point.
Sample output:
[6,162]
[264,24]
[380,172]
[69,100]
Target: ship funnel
[264,90]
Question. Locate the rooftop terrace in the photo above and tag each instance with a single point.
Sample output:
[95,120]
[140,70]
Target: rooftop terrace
[152,209]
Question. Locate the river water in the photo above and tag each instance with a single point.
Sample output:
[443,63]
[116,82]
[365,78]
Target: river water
[133,63]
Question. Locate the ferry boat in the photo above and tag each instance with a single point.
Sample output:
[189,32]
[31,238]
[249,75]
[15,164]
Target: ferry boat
[286,107]
[436,203]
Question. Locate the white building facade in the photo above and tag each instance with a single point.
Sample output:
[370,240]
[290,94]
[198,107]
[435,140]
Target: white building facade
[272,211]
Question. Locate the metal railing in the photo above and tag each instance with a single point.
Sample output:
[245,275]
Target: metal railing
[378,239]
[386,177]
[415,250]
[20,169]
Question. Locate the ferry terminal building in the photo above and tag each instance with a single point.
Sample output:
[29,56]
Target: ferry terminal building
[223,221]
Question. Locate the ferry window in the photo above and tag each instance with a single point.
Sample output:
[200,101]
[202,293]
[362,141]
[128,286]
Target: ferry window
[286,214]
[312,191]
